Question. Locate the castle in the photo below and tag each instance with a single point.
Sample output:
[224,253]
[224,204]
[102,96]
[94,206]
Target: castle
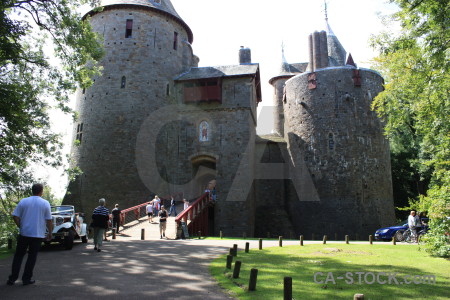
[156,123]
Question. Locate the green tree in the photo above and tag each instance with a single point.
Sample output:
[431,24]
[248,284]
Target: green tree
[31,83]
[416,105]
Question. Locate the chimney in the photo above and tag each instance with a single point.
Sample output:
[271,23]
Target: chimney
[318,51]
[245,56]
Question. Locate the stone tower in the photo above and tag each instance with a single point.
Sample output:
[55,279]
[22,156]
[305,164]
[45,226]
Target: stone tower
[146,44]
[330,127]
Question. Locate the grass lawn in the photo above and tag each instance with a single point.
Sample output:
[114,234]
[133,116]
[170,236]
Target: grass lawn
[4,252]
[338,264]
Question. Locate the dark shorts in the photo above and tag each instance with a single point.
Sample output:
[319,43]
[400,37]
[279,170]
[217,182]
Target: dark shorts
[149,214]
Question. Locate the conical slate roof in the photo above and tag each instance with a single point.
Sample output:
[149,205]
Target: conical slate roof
[164,6]
[336,51]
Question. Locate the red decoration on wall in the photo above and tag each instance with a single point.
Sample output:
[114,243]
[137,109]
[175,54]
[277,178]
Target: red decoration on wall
[312,82]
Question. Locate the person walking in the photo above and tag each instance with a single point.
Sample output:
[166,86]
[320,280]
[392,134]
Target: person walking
[116,217]
[173,208]
[156,205]
[149,210]
[100,218]
[162,221]
[33,216]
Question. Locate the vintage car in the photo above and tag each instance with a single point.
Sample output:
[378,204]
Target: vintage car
[68,226]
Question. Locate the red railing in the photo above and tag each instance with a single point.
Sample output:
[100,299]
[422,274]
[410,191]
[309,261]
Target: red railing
[197,214]
[137,212]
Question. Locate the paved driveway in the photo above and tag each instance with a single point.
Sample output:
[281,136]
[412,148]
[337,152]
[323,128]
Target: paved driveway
[162,269]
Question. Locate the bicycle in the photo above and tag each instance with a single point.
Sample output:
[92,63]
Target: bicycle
[410,238]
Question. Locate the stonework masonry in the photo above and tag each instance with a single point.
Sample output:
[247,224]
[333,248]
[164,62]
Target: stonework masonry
[156,123]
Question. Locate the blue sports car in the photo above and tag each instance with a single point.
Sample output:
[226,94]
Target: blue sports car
[387,233]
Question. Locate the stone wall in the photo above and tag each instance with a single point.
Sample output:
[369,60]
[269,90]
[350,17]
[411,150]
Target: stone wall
[332,129]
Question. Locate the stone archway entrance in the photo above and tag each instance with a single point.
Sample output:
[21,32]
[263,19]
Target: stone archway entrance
[204,172]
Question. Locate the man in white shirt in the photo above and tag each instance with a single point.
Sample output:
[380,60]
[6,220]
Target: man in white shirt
[412,223]
[33,216]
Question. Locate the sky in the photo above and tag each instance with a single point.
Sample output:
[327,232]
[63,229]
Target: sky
[220,27]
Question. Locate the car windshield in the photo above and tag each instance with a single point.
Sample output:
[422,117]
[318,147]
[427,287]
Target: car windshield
[63,210]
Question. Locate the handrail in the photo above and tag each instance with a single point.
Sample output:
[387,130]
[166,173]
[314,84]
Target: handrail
[197,213]
[137,213]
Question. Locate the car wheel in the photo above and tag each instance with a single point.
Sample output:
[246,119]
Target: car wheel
[84,239]
[399,236]
[68,240]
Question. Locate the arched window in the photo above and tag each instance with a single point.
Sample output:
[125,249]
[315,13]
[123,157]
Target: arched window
[331,141]
[123,83]
[204,134]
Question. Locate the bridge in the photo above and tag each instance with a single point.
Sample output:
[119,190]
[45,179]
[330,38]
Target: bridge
[188,222]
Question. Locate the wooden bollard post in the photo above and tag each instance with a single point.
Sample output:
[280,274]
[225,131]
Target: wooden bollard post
[221,234]
[312,236]
[393,241]
[247,247]
[231,251]
[301,240]
[114,234]
[260,244]
[253,278]
[280,241]
[143,234]
[9,243]
[324,239]
[346,238]
[371,239]
[358,297]
[229,260]
[235,250]
[287,288]
[237,269]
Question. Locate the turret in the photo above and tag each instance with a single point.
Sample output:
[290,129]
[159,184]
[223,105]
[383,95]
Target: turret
[146,45]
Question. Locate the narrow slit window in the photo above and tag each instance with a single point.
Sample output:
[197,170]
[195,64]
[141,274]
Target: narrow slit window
[123,83]
[129,29]
[175,40]
[331,141]
[79,132]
